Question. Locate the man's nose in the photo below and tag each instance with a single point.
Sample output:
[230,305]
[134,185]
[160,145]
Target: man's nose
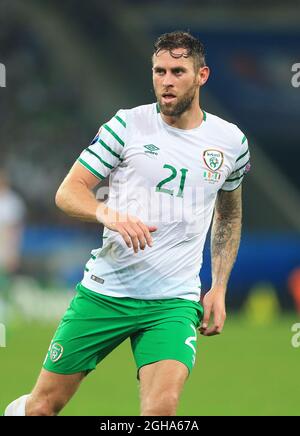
[168,80]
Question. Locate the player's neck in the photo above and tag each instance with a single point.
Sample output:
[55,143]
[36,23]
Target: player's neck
[190,119]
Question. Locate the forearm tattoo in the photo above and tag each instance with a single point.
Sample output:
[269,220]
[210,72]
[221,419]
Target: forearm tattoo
[225,236]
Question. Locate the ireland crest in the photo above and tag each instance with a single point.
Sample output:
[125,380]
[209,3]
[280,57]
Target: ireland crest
[56,351]
[213,159]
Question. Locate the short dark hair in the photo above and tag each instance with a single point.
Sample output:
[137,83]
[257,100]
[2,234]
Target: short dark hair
[180,39]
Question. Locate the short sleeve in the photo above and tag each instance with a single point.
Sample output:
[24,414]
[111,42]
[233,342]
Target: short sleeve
[241,167]
[105,151]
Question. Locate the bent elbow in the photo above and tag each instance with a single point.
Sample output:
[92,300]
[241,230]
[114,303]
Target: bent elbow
[59,198]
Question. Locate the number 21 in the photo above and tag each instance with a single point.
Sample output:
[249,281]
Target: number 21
[171,177]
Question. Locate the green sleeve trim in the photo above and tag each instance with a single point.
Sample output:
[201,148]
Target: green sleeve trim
[231,190]
[236,178]
[91,169]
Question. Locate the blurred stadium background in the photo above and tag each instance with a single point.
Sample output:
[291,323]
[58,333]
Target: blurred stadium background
[70,65]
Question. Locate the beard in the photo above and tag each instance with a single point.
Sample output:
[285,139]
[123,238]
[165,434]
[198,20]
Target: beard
[182,105]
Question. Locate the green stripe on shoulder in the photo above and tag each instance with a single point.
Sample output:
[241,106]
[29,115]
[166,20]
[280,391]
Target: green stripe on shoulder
[85,164]
[114,135]
[120,120]
[244,139]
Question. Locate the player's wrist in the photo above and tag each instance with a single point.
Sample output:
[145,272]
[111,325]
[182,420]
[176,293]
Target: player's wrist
[110,218]
[103,214]
[219,289]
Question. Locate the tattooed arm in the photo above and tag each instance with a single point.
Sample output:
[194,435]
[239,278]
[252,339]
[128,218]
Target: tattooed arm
[225,240]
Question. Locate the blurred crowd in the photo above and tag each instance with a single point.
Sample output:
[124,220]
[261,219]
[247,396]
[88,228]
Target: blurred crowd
[12,216]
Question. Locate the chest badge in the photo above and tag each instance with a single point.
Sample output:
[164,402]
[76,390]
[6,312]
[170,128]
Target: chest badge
[213,159]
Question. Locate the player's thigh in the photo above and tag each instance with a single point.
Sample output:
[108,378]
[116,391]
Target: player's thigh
[165,355]
[162,378]
[56,389]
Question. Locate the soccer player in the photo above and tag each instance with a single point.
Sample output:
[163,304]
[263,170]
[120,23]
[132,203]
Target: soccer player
[171,165]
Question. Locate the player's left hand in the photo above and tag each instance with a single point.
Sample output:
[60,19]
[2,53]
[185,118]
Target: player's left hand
[213,303]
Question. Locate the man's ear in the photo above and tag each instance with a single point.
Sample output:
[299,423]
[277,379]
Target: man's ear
[204,73]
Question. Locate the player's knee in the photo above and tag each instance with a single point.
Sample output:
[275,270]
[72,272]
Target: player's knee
[163,404]
[43,406]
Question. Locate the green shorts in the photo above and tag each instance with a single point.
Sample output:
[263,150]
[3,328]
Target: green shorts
[95,324]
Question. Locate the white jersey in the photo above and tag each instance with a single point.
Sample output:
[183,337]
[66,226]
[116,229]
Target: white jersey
[167,177]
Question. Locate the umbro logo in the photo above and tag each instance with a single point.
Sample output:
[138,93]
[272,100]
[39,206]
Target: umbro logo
[151,149]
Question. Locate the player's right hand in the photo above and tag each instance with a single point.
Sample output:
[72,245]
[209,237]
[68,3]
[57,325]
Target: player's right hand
[135,233]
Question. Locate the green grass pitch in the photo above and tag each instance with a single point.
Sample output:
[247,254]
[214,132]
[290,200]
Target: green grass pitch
[248,370]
